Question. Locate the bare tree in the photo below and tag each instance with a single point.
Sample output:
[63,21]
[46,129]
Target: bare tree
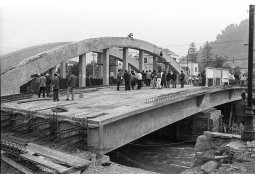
[192,53]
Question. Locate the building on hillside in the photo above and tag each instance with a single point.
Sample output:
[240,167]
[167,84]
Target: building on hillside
[192,67]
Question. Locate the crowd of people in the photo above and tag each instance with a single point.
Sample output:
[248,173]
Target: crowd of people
[157,80]
[45,84]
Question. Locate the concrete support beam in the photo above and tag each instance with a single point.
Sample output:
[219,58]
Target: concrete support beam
[141,60]
[125,57]
[106,58]
[82,70]
[63,69]
[155,63]
[100,64]
[52,71]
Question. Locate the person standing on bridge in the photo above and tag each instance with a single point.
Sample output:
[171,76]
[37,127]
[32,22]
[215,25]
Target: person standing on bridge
[168,79]
[149,78]
[133,78]
[159,76]
[48,82]
[71,83]
[55,85]
[42,85]
[203,78]
[153,78]
[126,77]
[182,78]
[139,80]
[174,77]
[119,78]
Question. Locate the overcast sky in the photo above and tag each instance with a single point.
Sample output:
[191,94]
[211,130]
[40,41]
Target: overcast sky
[173,24]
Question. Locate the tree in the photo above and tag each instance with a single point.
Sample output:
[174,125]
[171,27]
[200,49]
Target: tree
[218,62]
[75,69]
[207,55]
[237,70]
[192,53]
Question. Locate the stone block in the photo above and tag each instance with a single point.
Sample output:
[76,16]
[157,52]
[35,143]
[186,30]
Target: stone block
[209,166]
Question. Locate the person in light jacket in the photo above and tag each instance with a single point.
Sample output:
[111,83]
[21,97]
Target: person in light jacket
[42,85]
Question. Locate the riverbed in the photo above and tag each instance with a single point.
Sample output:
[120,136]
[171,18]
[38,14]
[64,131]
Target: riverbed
[161,157]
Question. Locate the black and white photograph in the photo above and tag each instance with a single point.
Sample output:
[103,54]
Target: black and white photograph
[127,86]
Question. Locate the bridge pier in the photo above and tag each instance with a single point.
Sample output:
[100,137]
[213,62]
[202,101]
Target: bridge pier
[63,69]
[106,66]
[191,127]
[100,64]
[82,70]
[141,60]
[125,57]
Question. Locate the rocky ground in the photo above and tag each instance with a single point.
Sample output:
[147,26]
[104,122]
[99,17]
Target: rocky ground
[215,153]
[218,153]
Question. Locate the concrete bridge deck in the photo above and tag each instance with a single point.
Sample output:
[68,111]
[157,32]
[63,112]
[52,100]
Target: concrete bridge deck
[119,117]
[102,106]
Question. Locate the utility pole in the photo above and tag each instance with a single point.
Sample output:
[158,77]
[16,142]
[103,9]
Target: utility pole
[249,128]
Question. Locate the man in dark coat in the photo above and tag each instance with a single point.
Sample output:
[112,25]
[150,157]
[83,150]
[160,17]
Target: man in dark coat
[182,78]
[71,83]
[168,79]
[203,78]
[55,85]
[174,77]
[127,78]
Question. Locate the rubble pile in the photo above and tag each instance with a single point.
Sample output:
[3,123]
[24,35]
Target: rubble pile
[219,153]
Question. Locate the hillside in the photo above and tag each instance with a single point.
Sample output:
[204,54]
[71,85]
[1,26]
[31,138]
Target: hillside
[230,44]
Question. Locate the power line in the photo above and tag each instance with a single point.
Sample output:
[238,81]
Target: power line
[232,60]
[210,43]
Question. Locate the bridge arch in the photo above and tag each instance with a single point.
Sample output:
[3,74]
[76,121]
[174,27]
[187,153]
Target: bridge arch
[20,74]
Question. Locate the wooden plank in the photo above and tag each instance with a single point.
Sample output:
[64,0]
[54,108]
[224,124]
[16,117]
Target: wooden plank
[60,156]
[222,135]
[43,162]
[16,165]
